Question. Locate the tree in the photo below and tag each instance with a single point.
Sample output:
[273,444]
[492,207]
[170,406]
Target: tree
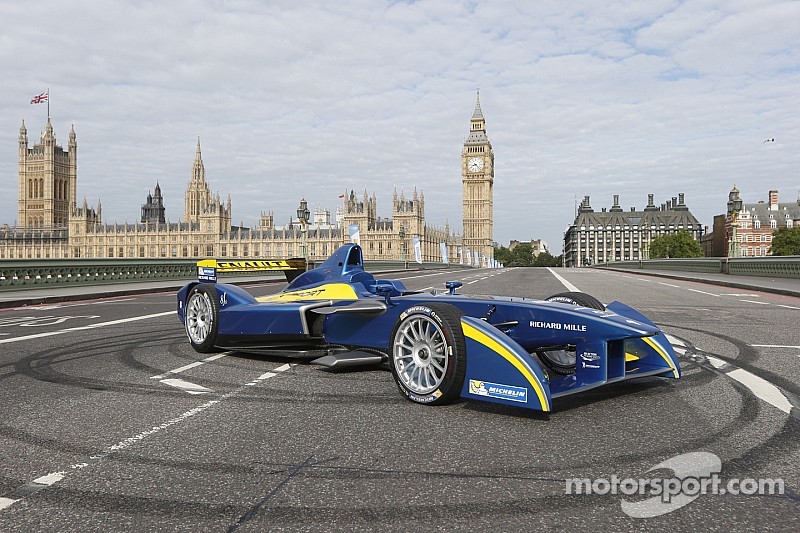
[522,255]
[503,254]
[544,259]
[680,244]
[786,241]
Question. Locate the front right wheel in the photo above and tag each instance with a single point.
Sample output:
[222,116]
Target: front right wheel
[428,353]
[201,317]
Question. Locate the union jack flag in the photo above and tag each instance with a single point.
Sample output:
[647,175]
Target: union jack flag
[39,98]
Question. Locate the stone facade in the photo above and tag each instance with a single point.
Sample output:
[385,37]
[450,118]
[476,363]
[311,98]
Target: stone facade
[758,221]
[47,180]
[618,235]
[52,225]
[477,176]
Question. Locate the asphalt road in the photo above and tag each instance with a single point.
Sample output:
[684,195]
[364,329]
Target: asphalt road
[109,421]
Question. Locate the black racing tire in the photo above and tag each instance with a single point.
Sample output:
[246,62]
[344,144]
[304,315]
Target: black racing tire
[563,361]
[577,298]
[201,317]
[428,353]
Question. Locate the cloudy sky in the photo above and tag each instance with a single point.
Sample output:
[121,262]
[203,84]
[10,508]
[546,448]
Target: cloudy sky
[311,99]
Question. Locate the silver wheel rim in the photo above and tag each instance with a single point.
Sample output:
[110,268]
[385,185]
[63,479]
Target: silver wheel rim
[199,317]
[420,354]
[560,357]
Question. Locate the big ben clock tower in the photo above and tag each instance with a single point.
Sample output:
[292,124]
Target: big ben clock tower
[477,175]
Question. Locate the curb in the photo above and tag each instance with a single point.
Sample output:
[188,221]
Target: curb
[38,300]
[721,283]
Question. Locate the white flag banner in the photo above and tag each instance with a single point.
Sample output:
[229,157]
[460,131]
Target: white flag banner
[477,261]
[355,235]
[443,249]
[469,257]
[417,250]
[460,256]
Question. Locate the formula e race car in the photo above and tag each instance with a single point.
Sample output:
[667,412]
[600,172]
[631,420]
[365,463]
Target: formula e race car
[439,345]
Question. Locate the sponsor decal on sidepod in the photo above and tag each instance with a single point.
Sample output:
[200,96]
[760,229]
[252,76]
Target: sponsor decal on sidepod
[498,390]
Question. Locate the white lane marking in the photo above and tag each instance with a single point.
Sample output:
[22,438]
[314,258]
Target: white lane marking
[787,306]
[679,350]
[191,388]
[754,302]
[81,328]
[7,502]
[48,307]
[275,372]
[760,387]
[675,341]
[428,275]
[52,478]
[740,294]
[669,284]
[49,479]
[565,283]
[704,292]
[774,346]
[471,282]
[191,365]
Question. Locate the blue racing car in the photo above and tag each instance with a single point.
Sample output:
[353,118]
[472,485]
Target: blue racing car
[439,345]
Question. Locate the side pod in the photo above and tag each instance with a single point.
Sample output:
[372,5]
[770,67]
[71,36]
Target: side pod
[500,370]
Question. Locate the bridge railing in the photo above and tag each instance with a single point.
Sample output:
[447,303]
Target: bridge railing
[769,266]
[29,273]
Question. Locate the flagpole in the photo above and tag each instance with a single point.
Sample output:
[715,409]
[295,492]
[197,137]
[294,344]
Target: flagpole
[48,102]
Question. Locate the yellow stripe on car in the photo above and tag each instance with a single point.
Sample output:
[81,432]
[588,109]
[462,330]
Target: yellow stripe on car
[660,351]
[331,291]
[479,336]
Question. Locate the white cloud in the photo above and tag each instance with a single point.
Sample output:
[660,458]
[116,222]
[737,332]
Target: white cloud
[310,99]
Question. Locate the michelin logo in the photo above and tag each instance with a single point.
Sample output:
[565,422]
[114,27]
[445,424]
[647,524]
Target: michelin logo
[206,274]
[498,390]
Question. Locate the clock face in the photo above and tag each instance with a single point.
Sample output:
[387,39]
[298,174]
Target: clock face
[475,164]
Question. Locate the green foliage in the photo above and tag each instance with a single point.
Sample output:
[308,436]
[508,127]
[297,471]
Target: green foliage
[503,254]
[786,241]
[544,259]
[522,256]
[680,244]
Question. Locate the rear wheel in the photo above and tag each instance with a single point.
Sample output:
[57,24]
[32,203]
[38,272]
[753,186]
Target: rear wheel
[201,317]
[428,353]
[563,361]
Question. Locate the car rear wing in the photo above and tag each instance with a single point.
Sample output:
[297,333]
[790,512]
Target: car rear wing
[207,269]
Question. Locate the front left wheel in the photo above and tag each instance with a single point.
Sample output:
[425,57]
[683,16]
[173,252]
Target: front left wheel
[201,317]
[428,353]
[563,361]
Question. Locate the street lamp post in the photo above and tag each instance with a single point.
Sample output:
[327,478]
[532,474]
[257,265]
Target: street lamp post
[403,246]
[734,207]
[302,215]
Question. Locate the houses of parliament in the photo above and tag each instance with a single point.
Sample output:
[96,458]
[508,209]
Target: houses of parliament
[52,223]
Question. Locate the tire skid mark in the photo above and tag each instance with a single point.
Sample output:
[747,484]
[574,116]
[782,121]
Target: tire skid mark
[47,480]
